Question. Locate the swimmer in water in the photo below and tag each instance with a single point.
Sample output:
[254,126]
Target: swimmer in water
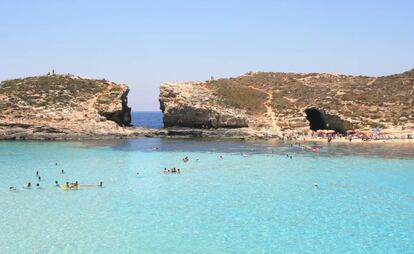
[290,157]
[197,160]
[38,185]
[62,172]
[12,188]
[37,173]
[56,163]
[29,185]
[137,173]
[56,183]
[221,157]
[101,184]
[315,185]
[39,178]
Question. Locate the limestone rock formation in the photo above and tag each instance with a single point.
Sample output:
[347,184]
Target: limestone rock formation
[197,108]
[283,102]
[63,104]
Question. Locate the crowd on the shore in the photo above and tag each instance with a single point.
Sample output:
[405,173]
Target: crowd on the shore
[350,135]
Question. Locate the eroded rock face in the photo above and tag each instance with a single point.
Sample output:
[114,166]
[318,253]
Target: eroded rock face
[118,112]
[192,105]
[277,102]
[64,104]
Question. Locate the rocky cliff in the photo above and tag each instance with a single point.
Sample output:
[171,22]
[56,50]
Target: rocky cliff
[62,105]
[283,102]
[184,106]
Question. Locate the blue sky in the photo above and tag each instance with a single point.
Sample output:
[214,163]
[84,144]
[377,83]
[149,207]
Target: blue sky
[142,43]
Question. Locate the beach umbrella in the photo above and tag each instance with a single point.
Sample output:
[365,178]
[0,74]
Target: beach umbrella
[376,130]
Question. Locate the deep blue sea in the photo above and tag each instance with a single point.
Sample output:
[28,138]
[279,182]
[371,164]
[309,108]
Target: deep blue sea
[254,199]
[148,119]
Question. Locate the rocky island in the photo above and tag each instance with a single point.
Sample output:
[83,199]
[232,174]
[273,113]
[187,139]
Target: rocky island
[64,107]
[282,103]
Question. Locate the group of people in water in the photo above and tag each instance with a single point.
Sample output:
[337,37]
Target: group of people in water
[172,171]
[29,184]
[185,160]
[68,185]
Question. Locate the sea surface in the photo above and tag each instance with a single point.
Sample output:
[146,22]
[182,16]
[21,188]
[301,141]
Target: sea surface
[253,200]
[148,119]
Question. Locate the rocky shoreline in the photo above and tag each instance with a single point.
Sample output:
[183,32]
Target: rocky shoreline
[39,133]
[15,132]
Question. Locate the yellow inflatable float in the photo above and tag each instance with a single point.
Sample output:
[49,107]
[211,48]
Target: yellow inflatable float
[69,187]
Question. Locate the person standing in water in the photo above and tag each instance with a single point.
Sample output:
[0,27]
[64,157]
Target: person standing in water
[63,171]
[101,184]
[29,185]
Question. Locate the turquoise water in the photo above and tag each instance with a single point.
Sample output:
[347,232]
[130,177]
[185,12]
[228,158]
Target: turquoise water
[262,202]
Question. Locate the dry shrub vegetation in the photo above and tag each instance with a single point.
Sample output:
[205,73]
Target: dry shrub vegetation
[374,101]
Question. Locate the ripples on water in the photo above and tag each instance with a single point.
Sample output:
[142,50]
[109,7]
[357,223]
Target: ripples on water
[262,202]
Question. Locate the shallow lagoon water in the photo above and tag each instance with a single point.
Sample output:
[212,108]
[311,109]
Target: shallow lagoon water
[262,203]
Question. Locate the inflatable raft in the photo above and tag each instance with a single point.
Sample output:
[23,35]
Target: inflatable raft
[70,187]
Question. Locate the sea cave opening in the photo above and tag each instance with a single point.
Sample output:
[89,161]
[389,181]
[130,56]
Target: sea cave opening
[316,119]
[319,120]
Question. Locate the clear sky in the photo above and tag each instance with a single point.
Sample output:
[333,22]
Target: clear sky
[142,43]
